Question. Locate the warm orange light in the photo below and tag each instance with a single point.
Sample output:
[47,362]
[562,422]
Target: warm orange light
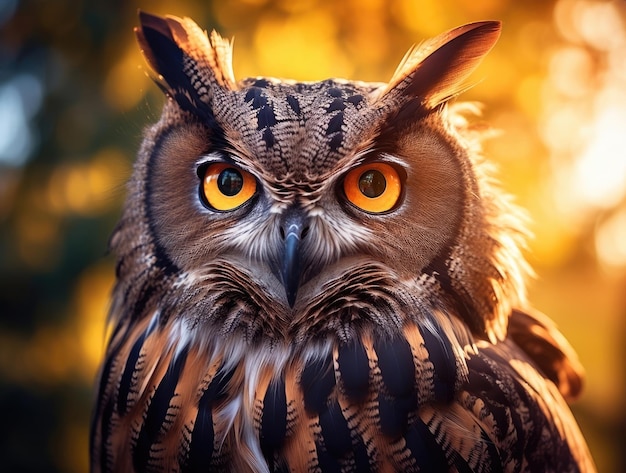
[584,119]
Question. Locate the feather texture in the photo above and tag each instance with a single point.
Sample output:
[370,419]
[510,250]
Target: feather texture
[435,70]
[405,343]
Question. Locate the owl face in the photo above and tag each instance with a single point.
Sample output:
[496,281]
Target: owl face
[295,211]
[273,202]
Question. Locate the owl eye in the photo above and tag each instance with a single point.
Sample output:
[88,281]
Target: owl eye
[373,187]
[226,187]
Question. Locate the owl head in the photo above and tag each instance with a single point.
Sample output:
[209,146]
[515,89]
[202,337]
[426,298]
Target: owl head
[273,208]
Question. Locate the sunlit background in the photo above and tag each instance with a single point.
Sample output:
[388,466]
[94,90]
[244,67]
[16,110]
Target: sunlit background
[74,97]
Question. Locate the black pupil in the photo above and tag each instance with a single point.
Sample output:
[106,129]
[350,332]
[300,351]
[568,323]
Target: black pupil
[230,182]
[372,183]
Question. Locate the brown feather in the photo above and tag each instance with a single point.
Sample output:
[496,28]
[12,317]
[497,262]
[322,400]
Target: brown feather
[435,70]
[402,348]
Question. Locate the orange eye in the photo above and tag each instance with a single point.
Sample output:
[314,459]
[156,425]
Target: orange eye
[226,187]
[373,187]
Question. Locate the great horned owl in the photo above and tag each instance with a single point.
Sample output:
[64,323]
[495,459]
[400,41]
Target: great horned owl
[321,277]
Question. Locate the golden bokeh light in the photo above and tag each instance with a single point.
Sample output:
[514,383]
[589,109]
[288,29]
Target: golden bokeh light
[127,69]
[92,304]
[610,241]
[88,187]
[554,89]
[289,48]
[584,117]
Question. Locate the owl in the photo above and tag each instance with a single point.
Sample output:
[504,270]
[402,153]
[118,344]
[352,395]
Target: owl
[324,277]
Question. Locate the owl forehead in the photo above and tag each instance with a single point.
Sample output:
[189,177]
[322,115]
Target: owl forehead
[299,130]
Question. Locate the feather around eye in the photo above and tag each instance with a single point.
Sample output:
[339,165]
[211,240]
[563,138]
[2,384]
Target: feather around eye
[226,187]
[373,187]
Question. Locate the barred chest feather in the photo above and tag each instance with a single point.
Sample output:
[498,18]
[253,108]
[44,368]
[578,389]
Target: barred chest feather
[187,398]
[423,398]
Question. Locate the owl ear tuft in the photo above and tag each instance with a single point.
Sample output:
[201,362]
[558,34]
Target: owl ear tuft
[435,71]
[188,64]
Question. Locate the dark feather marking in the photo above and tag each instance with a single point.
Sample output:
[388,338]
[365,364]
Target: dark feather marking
[202,437]
[335,124]
[355,370]
[485,382]
[337,104]
[105,376]
[335,142]
[362,459]
[157,412]
[493,456]
[394,414]
[530,440]
[356,100]
[262,83]
[146,292]
[163,261]
[165,55]
[452,456]
[424,448]
[127,375]
[335,430]
[397,369]
[507,400]
[274,419]
[266,117]
[104,416]
[201,452]
[317,381]
[257,97]
[327,462]
[460,299]
[268,137]
[335,92]
[167,58]
[105,435]
[120,263]
[441,355]
[294,104]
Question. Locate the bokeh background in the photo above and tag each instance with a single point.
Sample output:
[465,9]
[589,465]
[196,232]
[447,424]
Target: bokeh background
[75,96]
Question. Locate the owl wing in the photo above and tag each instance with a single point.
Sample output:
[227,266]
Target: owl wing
[507,417]
[539,337]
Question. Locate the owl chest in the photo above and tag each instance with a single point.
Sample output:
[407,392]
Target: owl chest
[350,406]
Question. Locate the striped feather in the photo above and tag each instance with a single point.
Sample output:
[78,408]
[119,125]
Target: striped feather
[402,352]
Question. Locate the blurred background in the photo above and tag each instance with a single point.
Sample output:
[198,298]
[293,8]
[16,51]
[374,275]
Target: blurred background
[75,96]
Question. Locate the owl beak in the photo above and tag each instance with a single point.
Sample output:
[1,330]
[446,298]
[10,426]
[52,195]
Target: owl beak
[293,229]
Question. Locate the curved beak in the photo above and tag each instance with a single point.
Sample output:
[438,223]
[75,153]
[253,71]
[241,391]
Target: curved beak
[293,229]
